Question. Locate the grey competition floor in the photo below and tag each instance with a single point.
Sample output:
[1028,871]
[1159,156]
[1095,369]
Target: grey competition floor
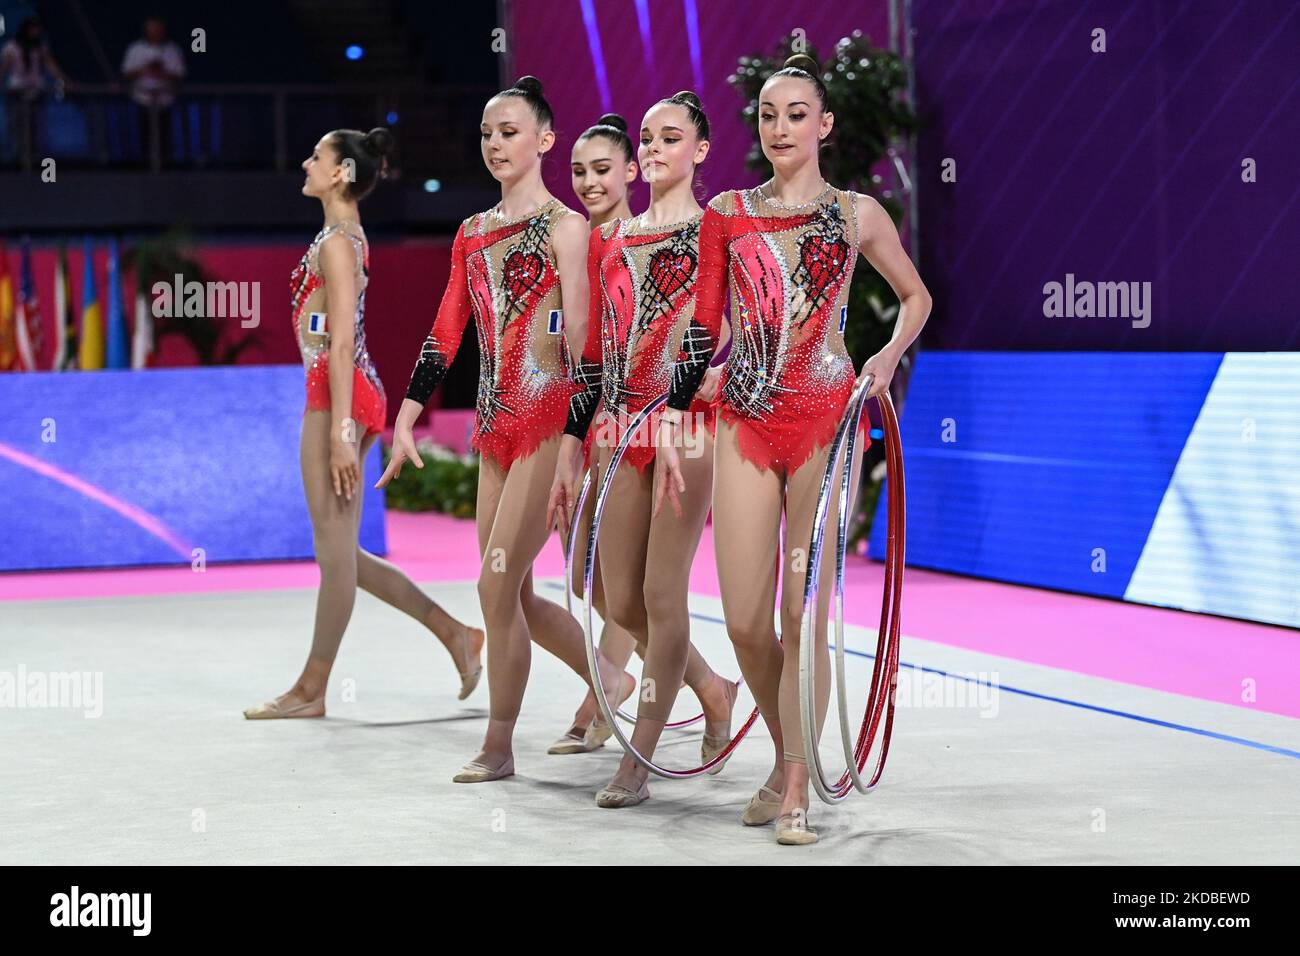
[171,773]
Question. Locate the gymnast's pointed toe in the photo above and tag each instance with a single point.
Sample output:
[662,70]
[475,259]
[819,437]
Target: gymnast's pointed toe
[574,742]
[475,772]
[763,808]
[274,710]
[616,796]
[468,682]
[793,830]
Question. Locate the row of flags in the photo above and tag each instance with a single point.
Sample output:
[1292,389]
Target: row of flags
[102,342]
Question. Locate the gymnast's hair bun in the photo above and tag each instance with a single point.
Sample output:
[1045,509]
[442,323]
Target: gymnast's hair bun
[612,127]
[804,67]
[529,88]
[529,84]
[614,120]
[368,153]
[691,103]
[686,97]
[379,141]
[802,61]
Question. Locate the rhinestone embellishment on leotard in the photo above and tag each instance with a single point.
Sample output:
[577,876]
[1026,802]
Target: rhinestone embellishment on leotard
[823,254]
[759,365]
[523,268]
[523,271]
[670,271]
[306,279]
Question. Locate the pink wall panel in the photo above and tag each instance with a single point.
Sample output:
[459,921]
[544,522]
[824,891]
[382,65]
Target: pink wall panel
[567,50]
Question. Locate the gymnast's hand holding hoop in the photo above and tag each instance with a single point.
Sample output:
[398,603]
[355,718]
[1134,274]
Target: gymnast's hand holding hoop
[611,711]
[668,469]
[878,716]
[564,489]
[880,368]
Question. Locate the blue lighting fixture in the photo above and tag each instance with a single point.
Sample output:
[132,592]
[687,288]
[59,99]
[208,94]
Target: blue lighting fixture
[354,52]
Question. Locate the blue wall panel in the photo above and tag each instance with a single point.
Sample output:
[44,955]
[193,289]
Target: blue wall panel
[1020,466]
[145,466]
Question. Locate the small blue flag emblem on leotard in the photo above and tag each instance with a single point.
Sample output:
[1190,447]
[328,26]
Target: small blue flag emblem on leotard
[316,323]
[844,316]
[557,321]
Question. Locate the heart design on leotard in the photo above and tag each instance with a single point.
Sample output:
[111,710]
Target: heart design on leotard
[671,272]
[823,261]
[523,273]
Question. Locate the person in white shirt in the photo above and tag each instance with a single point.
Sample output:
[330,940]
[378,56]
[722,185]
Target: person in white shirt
[27,70]
[154,67]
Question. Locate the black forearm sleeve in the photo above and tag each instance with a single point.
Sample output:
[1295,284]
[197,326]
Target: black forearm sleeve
[429,370]
[582,406]
[692,362]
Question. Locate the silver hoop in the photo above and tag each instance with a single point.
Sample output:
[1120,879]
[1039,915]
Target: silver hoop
[856,754]
[589,565]
[569,542]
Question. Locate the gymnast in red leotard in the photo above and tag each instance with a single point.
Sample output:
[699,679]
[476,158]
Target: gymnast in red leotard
[639,336]
[502,274]
[344,414]
[786,249]
[602,168]
[518,269]
[369,403]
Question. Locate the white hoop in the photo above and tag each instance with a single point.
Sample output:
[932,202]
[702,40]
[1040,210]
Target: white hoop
[589,564]
[856,754]
[569,542]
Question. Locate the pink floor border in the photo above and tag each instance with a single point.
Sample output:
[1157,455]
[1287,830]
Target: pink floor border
[1192,654]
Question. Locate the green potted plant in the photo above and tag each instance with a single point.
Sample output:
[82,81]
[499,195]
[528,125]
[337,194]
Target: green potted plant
[163,258]
[448,482]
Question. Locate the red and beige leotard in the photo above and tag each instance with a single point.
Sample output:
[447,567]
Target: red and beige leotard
[642,307]
[308,295]
[788,377]
[504,272]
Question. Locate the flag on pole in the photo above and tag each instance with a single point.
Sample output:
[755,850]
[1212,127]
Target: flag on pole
[8,338]
[92,322]
[65,325]
[118,354]
[30,336]
[142,334]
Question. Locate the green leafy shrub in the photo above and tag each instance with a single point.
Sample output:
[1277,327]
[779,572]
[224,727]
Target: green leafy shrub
[448,482]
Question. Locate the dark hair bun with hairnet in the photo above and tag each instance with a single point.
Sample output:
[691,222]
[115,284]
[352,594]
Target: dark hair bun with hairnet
[614,120]
[686,96]
[802,61]
[368,153]
[529,88]
[612,127]
[691,103]
[803,66]
[530,84]
[379,141]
